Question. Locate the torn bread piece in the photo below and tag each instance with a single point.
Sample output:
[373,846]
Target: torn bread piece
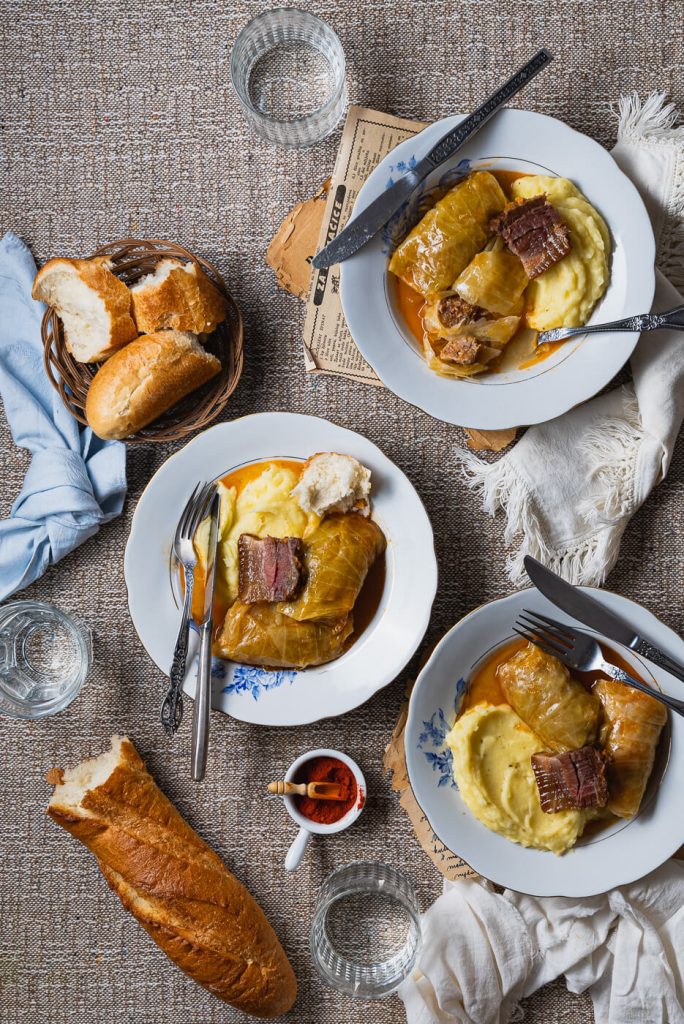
[333,483]
[178,296]
[92,303]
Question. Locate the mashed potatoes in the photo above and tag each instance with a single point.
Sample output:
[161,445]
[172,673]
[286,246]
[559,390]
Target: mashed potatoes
[265,507]
[491,749]
[565,295]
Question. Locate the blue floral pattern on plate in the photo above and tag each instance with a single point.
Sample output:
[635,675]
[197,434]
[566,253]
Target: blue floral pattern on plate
[432,739]
[251,679]
[408,215]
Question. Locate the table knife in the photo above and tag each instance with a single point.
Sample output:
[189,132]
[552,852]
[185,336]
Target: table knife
[375,216]
[200,718]
[589,611]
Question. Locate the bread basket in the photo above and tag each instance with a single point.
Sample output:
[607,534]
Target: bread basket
[131,259]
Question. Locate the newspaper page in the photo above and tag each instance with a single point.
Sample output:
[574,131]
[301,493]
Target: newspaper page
[367,138]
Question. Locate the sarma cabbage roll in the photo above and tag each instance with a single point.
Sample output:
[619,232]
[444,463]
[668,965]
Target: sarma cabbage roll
[337,558]
[554,705]
[492,336]
[495,281]
[444,242]
[633,723]
[259,634]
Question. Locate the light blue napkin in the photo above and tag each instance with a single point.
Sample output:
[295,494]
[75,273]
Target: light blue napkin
[75,481]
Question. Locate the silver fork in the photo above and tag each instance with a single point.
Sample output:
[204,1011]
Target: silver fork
[580,651]
[192,515]
[672,318]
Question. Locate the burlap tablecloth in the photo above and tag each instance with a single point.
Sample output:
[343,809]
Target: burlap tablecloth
[119,119]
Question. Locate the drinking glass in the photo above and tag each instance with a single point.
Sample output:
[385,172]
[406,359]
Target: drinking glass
[365,937]
[45,656]
[287,68]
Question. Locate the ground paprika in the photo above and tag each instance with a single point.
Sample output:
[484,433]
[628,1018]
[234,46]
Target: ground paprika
[326,769]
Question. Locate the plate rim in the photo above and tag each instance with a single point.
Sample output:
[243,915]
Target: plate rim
[431,577]
[567,397]
[410,721]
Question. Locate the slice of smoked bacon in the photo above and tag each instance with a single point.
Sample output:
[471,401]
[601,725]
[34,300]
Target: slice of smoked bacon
[574,779]
[535,232]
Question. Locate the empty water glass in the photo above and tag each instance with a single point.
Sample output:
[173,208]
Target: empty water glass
[365,937]
[45,656]
[288,70]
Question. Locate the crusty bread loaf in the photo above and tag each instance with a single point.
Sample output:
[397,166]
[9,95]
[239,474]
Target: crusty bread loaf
[145,379]
[172,882]
[177,295]
[92,303]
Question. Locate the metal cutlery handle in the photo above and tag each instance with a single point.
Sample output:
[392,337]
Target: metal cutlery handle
[200,720]
[171,713]
[451,142]
[658,657]
[623,677]
[673,318]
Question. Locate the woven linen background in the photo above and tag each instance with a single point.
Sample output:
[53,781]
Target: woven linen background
[118,119]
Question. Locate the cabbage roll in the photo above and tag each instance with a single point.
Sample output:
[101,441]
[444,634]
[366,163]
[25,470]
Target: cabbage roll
[259,634]
[495,281]
[337,558]
[444,242]
[491,334]
[555,706]
[633,723]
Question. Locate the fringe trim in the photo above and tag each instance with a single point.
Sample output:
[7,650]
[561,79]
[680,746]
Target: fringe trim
[652,118]
[655,120]
[612,450]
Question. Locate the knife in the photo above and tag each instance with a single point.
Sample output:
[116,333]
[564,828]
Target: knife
[377,213]
[200,718]
[589,611]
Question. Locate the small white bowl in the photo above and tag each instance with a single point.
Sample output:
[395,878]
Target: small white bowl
[307,827]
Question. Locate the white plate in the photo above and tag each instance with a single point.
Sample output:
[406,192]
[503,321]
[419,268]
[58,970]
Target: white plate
[522,141]
[614,856]
[386,645]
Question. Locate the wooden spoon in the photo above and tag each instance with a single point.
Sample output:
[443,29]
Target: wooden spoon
[317,790]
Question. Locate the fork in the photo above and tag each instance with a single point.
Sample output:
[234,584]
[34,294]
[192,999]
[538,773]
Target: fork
[195,511]
[580,651]
[672,318]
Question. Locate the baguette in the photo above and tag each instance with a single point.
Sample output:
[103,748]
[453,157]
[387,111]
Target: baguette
[145,379]
[172,882]
[179,296]
[92,303]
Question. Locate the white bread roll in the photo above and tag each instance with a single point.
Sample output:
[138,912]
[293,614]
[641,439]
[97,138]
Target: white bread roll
[172,882]
[177,295]
[145,379]
[333,483]
[92,303]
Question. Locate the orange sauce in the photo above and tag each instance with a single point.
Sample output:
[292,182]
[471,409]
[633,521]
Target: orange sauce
[541,353]
[371,592]
[506,179]
[410,304]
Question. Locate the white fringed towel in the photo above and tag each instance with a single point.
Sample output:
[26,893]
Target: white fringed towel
[570,486]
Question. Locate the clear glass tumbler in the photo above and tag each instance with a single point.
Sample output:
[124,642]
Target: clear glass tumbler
[365,937]
[45,656]
[287,68]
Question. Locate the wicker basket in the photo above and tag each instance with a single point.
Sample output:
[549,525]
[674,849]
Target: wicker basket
[132,258]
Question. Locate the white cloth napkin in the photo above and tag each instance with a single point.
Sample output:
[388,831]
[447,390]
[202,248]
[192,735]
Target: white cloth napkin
[484,952]
[570,486]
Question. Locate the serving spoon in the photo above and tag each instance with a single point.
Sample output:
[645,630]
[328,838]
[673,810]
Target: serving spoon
[673,318]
